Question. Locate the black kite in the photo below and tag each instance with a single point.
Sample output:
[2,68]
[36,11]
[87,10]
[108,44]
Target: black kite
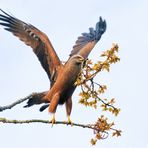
[62,76]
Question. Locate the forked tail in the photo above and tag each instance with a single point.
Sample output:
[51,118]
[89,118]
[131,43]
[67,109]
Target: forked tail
[37,98]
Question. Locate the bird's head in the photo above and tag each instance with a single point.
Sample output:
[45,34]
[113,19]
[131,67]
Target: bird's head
[77,59]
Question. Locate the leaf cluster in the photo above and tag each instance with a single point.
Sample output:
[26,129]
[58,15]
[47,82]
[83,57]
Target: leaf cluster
[103,127]
[92,91]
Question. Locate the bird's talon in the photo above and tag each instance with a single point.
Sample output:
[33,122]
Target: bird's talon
[53,121]
[69,121]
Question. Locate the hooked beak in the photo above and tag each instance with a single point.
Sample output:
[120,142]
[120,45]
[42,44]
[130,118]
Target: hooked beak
[82,59]
[84,62]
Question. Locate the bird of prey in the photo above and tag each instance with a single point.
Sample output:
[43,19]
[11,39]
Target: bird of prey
[62,76]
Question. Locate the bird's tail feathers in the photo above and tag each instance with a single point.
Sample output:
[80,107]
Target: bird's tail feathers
[36,98]
[42,108]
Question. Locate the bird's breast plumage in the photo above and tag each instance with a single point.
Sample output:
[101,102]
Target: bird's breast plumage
[64,84]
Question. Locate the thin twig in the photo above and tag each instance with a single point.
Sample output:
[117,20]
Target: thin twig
[96,96]
[2,108]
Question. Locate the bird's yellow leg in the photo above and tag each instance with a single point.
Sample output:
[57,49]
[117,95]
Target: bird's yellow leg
[53,121]
[69,120]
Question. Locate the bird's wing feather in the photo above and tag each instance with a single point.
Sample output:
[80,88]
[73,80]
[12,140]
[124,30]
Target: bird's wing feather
[33,37]
[87,41]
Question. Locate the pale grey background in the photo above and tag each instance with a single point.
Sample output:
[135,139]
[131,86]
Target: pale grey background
[63,21]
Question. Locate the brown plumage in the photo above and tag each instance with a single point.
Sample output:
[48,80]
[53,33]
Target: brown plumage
[62,77]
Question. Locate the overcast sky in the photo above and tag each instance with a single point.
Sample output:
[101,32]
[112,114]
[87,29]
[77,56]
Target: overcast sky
[63,21]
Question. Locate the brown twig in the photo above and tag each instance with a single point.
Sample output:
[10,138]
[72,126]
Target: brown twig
[2,108]
[107,104]
[89,126]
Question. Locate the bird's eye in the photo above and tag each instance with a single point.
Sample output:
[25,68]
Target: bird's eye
[79,61]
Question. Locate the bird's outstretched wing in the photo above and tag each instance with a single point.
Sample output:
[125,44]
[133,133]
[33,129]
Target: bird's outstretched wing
[87,41]
[33,37]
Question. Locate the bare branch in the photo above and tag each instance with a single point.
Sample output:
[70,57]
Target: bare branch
[2,108]
[89,126]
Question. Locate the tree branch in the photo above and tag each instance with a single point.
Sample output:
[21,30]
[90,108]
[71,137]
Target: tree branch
[89,126]
[2,108]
